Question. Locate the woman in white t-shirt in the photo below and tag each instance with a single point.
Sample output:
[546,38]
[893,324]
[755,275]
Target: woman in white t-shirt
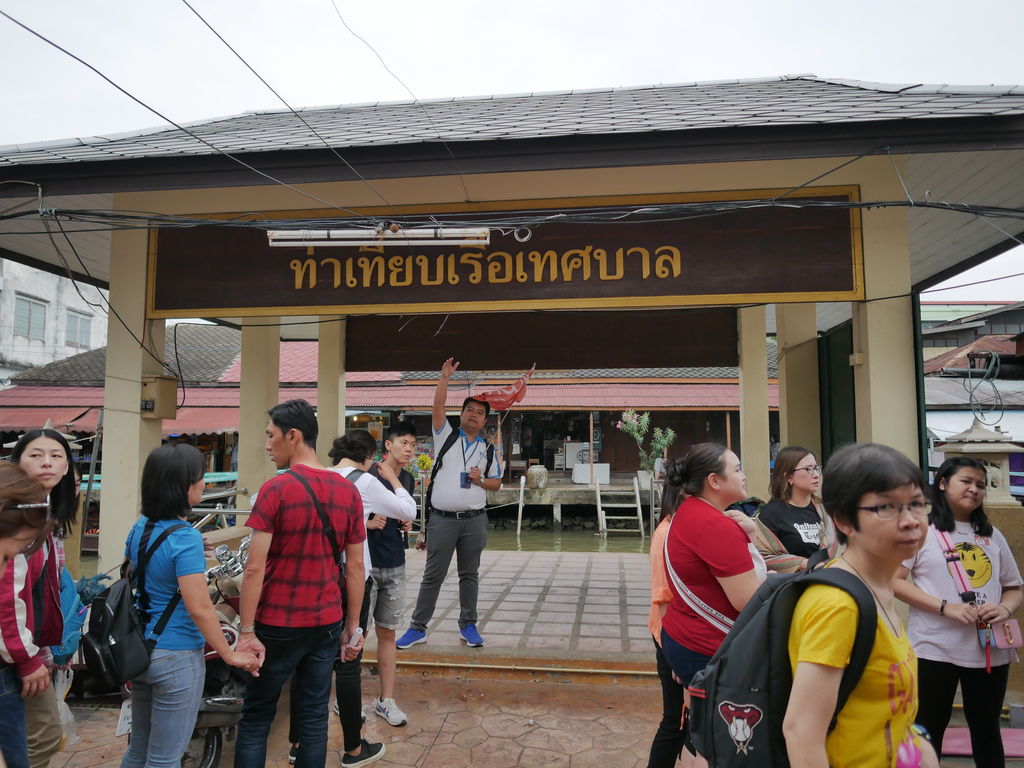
[943,628]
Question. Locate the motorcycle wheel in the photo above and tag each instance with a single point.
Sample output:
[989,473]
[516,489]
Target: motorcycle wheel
[204,749]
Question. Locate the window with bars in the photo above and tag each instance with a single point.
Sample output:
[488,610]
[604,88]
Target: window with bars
[78,330]
[29,318]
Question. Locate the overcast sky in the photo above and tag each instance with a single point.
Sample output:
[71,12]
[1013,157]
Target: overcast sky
[159,51]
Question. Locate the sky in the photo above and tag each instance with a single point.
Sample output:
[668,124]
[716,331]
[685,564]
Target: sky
[159,51]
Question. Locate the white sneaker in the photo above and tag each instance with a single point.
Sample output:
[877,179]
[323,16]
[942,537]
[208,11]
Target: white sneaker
[387,709]
[335,710]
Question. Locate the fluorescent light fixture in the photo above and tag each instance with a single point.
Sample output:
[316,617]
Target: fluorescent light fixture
[304,238]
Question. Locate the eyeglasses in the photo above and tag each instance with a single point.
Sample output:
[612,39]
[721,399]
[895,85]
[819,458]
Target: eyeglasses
[892,511]
[814,469]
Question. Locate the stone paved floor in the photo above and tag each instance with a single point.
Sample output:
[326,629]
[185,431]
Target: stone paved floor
[458,723]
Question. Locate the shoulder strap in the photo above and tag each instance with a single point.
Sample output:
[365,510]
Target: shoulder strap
[325,521]
[448,443]
[863,639]
[354,475]
[145,555]
[716,619]
[955,566]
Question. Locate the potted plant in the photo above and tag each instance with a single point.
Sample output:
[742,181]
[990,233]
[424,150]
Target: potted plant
[636,426]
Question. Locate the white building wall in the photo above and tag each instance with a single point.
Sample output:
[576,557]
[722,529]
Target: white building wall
[58,297]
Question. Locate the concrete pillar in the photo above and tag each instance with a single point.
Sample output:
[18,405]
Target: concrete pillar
[754,440]
[330,384]
[883,329]
[127,437]
[799,407]
[261,355]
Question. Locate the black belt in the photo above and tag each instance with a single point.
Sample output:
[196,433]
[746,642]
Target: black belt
[464,515]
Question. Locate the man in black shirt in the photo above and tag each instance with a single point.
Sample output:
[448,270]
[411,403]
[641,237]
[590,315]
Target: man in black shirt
[387,555]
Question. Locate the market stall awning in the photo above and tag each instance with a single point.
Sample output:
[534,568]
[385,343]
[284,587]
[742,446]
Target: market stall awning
[22,419]
[202,421]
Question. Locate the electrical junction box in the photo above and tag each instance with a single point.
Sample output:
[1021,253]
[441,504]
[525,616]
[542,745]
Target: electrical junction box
[159,397]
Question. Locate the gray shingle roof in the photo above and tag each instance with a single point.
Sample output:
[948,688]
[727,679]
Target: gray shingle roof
[204,353]
[790,100]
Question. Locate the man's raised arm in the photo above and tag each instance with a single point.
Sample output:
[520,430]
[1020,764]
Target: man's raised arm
[441,393]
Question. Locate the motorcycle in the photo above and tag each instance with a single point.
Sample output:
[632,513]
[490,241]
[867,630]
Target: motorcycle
[220,709]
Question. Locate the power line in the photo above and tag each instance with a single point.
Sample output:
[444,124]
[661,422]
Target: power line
[166,119]
[408,90]
[289,106]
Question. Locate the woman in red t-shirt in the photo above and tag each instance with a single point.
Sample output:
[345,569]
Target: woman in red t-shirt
[712,566]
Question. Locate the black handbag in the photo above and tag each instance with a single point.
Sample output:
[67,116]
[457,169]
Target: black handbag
[115,646]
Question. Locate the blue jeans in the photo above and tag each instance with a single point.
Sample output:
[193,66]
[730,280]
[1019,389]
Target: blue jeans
[165,700]
[13,744]
[309,653]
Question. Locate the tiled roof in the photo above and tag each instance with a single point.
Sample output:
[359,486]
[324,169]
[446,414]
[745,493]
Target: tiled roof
[957,358]
[298,366]
[791,100]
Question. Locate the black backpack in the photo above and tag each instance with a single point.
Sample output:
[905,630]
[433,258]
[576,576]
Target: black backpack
[115,645]
[738,701]
[449,441]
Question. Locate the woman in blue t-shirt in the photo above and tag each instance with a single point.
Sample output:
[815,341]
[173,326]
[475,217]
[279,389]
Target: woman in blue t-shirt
[165,698]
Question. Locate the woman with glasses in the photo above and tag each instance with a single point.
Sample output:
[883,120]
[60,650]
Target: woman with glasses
[943,627]
[875,496]
[24,523]
[44,455]
[793,525]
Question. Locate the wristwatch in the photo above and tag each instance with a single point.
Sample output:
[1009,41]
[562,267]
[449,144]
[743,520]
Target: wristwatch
[248,630]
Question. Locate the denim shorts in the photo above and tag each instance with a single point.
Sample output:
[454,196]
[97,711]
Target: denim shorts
[684,662]
[387,596]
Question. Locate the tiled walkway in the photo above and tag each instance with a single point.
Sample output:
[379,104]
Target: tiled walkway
[548,604]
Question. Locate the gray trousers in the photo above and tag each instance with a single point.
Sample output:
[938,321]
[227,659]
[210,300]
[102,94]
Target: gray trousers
[445,536]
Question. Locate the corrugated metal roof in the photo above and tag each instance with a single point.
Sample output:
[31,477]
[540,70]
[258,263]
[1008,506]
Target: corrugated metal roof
[957,358]
[940,391]
[790,100]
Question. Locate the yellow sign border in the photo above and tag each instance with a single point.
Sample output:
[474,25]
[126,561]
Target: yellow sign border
[512,305]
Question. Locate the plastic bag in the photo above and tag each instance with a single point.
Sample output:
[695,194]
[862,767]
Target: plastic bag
[61,685]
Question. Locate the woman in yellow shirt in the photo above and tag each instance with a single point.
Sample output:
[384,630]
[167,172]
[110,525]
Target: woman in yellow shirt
[875,496]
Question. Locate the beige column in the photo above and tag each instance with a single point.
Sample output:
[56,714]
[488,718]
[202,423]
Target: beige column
[261,355]
[127,437]
[799,410]
[883,328]
[754,441]
[330,384]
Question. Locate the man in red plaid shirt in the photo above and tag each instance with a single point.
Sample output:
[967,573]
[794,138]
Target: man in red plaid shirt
[291,610]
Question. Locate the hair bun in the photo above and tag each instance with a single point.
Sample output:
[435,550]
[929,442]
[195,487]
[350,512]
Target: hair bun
[676,473]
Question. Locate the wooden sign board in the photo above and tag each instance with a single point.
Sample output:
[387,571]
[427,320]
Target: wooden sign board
[764,254]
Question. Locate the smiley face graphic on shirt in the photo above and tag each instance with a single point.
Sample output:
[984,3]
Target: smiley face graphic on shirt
[976,564]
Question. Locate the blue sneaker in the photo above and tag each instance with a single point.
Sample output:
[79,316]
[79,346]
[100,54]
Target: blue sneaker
[411,638]
[471,636]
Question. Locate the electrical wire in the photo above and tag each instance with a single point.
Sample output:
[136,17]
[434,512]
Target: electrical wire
[287,105]
[416,101]
[110,307]
[166,119]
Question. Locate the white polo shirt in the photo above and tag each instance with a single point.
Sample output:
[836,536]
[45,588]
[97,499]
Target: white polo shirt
[461,457]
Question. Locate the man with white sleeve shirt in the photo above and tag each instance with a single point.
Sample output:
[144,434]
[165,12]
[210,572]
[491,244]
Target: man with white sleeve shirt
[465,469]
